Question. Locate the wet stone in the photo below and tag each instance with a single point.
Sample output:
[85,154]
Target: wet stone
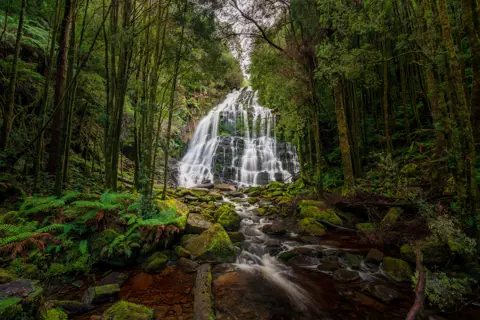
[351,260]
[346,275]
[114,278]
[331,252]
[302,260]
[276,229]
[188,265]
[328,266]
[374,256]
[383,293]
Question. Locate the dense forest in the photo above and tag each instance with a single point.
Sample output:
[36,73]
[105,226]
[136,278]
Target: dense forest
[331,149]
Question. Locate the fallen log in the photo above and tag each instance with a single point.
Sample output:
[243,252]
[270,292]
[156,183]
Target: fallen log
[203,303]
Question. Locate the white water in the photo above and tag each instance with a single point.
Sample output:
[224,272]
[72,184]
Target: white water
[247,146]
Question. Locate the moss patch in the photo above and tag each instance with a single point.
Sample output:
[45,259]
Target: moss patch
[397,269]
[6,276]
[392,216]
[367,226]
[53,314]
[311,226]
[181,211]
[212,245]
[124,310]
[228,217]
[157,262]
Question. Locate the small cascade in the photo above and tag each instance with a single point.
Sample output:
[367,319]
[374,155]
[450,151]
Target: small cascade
[236,143]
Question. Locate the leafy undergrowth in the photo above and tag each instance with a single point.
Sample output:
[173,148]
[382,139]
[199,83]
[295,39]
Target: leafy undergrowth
[61,236]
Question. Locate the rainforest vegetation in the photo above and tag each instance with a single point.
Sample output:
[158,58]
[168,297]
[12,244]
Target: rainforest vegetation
[100,98]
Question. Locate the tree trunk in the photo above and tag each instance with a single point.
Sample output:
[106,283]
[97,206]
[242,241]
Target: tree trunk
[388,138]
[10,99]
[348,179]
[60,83]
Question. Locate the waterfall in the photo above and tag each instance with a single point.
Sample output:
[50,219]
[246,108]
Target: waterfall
[236,143]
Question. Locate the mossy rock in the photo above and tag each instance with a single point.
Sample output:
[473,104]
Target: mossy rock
[53,314]
[228,217]
[157,262]
[6,276]
[391,217]
[213,244]
[236,236]
[101,294]
[181,252]
[180,208]
[124,310]
[100,240]
[434,253]
[274,185]
[397,269]
[311,226]
[252,200]
[367,226]
[20,298]
[186,238]
[352,260]
[215,196]
[70,307]
[310,203]
[321,214]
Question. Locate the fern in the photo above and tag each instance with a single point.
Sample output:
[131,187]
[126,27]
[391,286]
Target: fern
[46,206]
[69,197]
[93,205]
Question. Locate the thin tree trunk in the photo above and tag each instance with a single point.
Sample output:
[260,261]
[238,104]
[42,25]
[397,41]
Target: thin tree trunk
[10,99]
[388,138]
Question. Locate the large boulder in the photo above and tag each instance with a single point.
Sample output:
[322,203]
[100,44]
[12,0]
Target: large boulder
[276,229]
[310,226]
[228,217]
[374,256]
[320,214]
[344,275]
[124,310]
[397,269]
[181,211]
[20,297]
[101,294]
[197,223]
[212,245]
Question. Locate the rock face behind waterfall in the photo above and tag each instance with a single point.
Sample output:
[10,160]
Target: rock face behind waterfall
[236,142]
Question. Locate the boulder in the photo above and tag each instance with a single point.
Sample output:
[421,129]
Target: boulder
[212,245]
[396,269]
[344,275]
[114,278]
[286,255]
[352,260]
[181,211]
[101,294]
[383,293]
[21,296]
[181,252]
[196,224]
[225,187]
[374,256]
[236,236]
[276,229]
[228,217]
[329,264]
[207,186]
[391,217]
[320,214]
[310,226]
[215,196]
[124,310]
[302,260]
[6,276]
[157,262]
[188,265]
[52,314]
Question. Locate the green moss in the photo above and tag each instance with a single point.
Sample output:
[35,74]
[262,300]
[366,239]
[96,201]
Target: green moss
[322,214]
[124,310]
[392,216]
[212,245]
[53,314]
[107,289]
[185,238]
[274,185]
[311,226]
[367,226]
[310,203]
[6,276]
[228,217]
[434,253]
[181,252]
[180,208]
[396,269]
[157,262]
[7,303]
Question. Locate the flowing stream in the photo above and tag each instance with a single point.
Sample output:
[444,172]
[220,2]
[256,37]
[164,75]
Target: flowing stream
[236,143]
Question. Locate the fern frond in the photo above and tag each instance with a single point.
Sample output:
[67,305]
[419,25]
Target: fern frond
[46,206]
[51,228]
[83,247]
[71,196]
[9,229]
[93,205]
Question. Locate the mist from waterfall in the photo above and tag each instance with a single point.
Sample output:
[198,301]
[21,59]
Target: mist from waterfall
[236,143]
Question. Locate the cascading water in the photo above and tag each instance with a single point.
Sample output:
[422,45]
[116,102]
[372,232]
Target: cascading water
[236,142]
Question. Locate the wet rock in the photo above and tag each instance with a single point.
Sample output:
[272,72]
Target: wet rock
[391,217]
[190,198]
[52,314]
[315,212]
[396,269]
[311,227]
[329,264]
[310,239]
[236,236]
[352,260]
[228,217]
[215,196]
[72,308]
[236,194]
[263,178]
[188,265]
[383,293]
[331,252]
[286,255]
[225,187]
[114,278]
[101,294]
[6,276]
[374,256]
[207,186]
[181,210]
[212,245]
[302,260]
[127,310]
[365,300]
[203,307]
[346,275]
[19,297]
[157,262]
[276,229]
[181,252]
[196,224]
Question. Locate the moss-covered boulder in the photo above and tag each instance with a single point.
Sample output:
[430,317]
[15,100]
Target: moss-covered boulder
[101,240]
[321,214]
[157,262]
[212,245]
[236,236]
[310,203]
[20,297]
[6,276]
[228,217]
[391,217]
[197,223]
[352,260]
[374,256]
[434,253]
[274,185]
[310,226]
[367,227]
[53,314]
[181,252]
[181,211]
[397,269]
[101,294]
[124,310]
